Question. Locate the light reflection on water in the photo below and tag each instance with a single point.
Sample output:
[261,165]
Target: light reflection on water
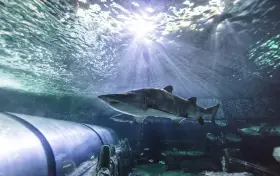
[57,48]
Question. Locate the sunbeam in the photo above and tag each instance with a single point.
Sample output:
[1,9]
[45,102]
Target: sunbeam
[141,27]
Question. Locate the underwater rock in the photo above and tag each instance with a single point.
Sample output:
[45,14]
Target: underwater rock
[195,153]
[199,165]
[174,159]
[207,173]
[149,169]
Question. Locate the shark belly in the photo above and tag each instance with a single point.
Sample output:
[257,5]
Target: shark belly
[141,114]
[131,110]
[158,113]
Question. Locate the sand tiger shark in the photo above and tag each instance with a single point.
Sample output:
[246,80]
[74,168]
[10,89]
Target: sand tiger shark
[156,102]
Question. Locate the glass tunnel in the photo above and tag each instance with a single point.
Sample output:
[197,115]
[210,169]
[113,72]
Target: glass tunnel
[139,87]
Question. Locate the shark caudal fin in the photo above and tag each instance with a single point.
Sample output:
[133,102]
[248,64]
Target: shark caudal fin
[213,111]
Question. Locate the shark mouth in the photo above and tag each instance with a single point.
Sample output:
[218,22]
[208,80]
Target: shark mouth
[114,102]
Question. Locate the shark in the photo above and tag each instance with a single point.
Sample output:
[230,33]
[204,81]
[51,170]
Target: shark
[158,102]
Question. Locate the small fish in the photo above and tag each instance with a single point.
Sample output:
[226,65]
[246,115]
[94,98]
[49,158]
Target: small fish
[151,160]
[232,137]
[146,149]
[270,130]
[141,154]
[211,136]
[161,162]
[250,131]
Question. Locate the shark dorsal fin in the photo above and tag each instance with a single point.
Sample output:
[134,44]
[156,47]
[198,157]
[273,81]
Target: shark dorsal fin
[192,100]
[168,88]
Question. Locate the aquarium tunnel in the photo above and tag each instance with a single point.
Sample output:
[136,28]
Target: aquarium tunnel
[39,146]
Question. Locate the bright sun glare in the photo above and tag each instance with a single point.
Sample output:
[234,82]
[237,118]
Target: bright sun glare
[141,27]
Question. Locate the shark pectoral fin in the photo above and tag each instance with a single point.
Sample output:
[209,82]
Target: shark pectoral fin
[200,120]
[193,100]
[139,119]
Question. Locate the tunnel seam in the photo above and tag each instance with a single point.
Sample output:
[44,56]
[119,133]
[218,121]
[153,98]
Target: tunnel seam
[44,142]
[96,133]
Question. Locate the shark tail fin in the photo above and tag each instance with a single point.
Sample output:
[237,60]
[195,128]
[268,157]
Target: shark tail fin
[213,111]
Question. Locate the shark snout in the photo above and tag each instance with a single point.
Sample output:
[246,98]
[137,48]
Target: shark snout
[102,97]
